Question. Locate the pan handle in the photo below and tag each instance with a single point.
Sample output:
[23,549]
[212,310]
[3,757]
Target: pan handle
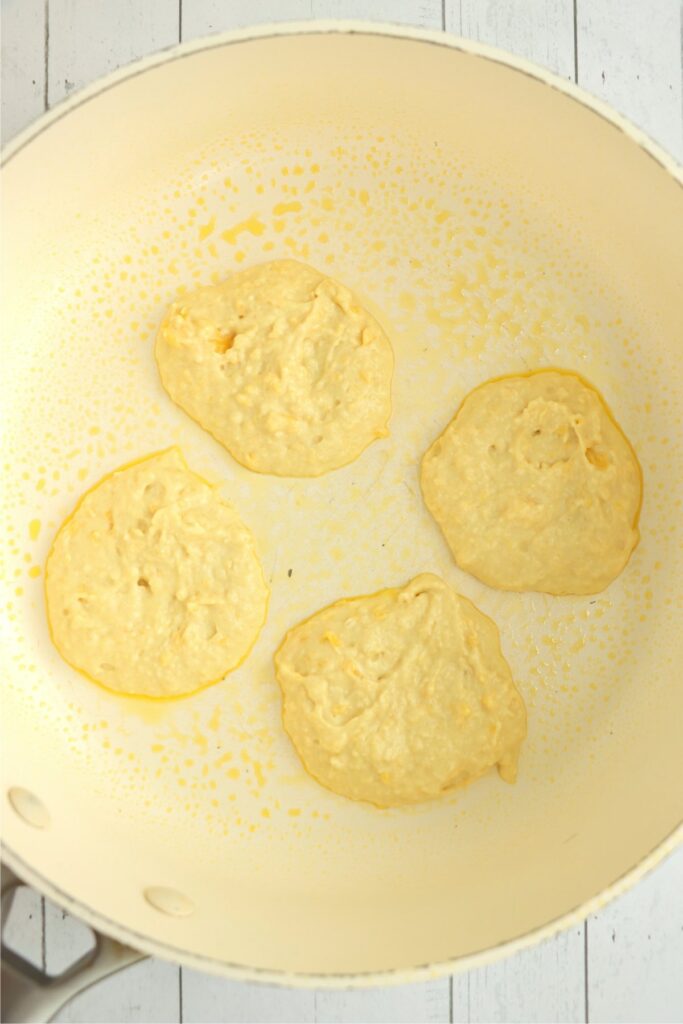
[29,995]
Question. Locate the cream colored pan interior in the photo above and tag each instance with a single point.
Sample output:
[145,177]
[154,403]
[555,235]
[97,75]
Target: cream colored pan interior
[495,224]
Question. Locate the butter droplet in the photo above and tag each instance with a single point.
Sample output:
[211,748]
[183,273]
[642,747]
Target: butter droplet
[207,229]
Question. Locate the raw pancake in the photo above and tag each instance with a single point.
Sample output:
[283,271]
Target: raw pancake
[399,696]
[534,485]
[282,365]
[153,583]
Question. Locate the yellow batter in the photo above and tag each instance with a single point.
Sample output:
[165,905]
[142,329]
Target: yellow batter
[534,485]
[153,583]
[396,697]
[282,365]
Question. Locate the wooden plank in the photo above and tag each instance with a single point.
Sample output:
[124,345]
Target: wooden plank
[201,17]
[635,951]
[452,16]
[23,64]
[544,983]
[629,54]
[206,998]
[539,30]
[87,40]
[426,13]
[428,1001]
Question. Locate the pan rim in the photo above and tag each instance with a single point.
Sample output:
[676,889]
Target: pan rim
[179,51]
[335,980]
[622,883]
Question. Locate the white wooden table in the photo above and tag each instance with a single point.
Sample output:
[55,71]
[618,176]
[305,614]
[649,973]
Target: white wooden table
[624,964]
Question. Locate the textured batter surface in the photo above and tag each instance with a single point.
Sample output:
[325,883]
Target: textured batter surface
[535,487]
[282,365]
[153,584]
[396,697]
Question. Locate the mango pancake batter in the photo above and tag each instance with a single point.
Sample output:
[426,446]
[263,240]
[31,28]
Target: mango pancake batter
[153,584]
[535,486]
[282,365]
[399,696]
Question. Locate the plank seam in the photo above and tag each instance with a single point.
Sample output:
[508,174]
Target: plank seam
[575,13]
[46,65]
[46,58]
[585,972]
[43,944]
[576,42]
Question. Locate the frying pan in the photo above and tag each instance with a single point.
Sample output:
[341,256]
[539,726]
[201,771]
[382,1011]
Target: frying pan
[496,220]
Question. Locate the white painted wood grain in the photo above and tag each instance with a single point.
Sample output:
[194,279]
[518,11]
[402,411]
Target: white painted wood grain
[206,998]
[629,54]
[426,13]
[23,64]
[147,992]
[202,17]
[539,30]
[216,1000]
[635,951]
[88,38]
[429,1001]
[544,983]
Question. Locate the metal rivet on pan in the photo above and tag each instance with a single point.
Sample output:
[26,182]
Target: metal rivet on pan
[30,809]
[168,901]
